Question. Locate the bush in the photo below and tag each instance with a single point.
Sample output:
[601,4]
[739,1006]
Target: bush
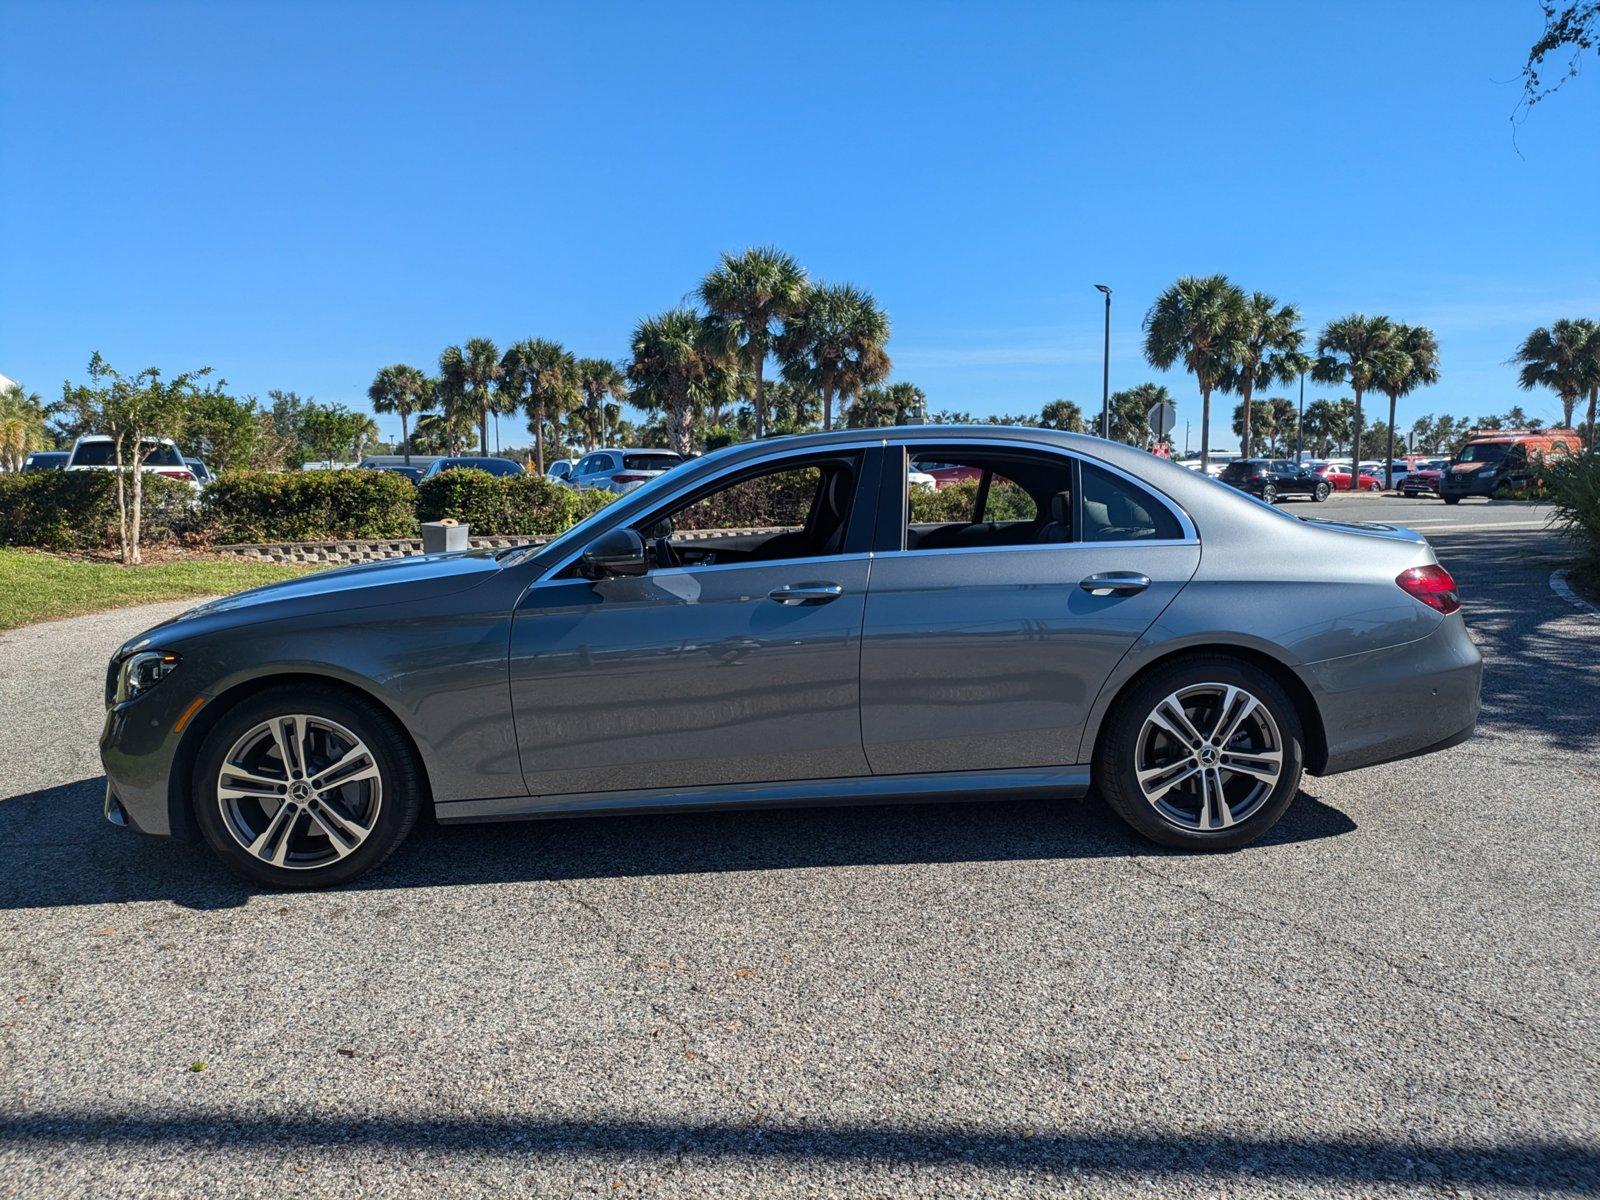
[77,510]
[955,502]
[505,505]
[1574,487]
[310,506]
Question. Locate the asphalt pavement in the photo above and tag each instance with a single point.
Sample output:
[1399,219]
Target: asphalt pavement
[1393,994]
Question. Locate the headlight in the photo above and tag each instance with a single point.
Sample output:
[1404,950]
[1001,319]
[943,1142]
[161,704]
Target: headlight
[142,671]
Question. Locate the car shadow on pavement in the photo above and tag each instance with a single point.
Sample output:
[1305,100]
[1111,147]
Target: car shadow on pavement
[1544,1166]
[73,857]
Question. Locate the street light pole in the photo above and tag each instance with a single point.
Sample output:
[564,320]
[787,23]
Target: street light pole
[1105,375]
[1300,421]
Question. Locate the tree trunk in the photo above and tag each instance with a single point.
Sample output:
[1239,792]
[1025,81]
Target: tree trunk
[538,437]
[483,430]
[760,366]
[122,507]
[1355,445]
[405,437]
[138,502]
[1594,434]
[1568,403]
[1205,428]
[1388,461]
[1247,390]
[827,404]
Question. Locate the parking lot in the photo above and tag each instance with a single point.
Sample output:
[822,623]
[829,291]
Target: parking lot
[1394,992]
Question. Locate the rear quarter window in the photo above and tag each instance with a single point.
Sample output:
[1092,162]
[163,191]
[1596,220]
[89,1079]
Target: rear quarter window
[1116,510]
[650,462]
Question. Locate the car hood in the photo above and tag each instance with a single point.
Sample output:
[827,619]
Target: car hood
[416,577]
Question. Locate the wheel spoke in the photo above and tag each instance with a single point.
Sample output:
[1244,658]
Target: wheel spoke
[1220,798]
[1265,766]
[342,836]
[334,775]
[1169,715]
[1228,721]
[281,828]
[1169,777]
[248,783]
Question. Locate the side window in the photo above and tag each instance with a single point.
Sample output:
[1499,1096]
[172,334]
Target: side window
[779,501]
[1007,501]
[1115,510]
[988,496]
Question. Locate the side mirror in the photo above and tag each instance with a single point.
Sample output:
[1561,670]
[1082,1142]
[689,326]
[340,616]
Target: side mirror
[619,552]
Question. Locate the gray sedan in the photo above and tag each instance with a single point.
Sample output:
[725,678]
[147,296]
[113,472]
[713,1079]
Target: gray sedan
[1098,617]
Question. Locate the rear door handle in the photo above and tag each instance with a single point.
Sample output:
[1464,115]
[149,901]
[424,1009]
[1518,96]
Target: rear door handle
[806,593]
[1115,583]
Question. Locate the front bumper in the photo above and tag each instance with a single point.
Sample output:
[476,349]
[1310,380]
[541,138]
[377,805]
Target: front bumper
[1468,485]
[1401,701]
[138,747]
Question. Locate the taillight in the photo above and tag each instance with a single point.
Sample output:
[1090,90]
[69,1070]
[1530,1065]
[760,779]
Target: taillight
[176,473]
[1433,586]
[625,478]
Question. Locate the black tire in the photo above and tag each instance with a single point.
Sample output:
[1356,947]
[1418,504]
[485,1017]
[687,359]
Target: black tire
[402,785]
[1375,487]
[1451,499]
[1320,494]
[1269,493]
[1115,759]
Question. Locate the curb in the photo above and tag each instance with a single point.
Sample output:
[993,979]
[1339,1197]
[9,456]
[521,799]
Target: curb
[1560,586]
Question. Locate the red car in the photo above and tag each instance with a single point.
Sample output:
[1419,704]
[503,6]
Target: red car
[1339,475]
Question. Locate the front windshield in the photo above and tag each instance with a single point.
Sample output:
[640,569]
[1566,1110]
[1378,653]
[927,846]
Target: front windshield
[1483,452]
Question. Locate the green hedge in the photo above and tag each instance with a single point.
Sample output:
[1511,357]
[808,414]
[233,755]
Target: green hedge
[504,505]
[310,506]
[77,510]
[1574,487]
[955,502]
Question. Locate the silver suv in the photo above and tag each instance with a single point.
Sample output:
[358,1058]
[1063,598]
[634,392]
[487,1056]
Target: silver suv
[616,470]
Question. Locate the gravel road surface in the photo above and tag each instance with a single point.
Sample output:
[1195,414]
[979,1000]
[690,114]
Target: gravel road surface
[1395,994]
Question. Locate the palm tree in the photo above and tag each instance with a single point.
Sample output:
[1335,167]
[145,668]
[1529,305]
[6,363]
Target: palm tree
[22,426]
[597,379]
[1556,358]
[1196,320]
[745,294]
[1284,417]
[1063,415]
[471,372]
[1130,409]
[404,390]
[1269,337]
[835,340]
[668,371]
[1590,372]
[1417,365]
[542,377]
[1358,350]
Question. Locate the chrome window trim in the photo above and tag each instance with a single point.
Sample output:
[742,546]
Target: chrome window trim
[699,568]
[1190,534]
[809,452]
[885,554]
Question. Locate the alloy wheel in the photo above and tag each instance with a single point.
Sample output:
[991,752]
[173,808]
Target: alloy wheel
[1208,756]
[299,791]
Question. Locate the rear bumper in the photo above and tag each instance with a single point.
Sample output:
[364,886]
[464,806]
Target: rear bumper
[1399,702]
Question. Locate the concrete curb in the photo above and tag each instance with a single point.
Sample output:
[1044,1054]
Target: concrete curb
[1560,586]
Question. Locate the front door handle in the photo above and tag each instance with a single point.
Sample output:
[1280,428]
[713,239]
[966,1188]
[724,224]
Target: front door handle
[806,593]
[1115,583]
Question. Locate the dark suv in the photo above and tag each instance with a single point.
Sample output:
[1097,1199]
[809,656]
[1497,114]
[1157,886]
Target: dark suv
[1270,478]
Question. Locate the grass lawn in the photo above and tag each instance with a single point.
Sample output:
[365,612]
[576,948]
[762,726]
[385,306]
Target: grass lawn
[38,587]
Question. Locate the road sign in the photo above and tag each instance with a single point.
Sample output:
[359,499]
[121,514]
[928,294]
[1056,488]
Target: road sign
[1162,417]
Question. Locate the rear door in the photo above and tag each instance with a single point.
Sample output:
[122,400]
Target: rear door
[982,657]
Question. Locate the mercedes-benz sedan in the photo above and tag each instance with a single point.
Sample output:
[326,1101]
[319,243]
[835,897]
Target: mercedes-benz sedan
[1099,618]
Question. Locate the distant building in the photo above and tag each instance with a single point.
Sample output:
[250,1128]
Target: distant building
[7,383]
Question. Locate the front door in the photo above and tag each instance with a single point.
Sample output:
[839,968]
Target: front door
[733,660]
[986,643]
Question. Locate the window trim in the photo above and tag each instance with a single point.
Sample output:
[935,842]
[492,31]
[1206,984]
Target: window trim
[1189,535]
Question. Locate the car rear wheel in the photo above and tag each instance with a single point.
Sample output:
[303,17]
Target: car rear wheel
[1205,754]
[1451,499]
[1374,486]
[1321,493]
[1269,494]
[305,787]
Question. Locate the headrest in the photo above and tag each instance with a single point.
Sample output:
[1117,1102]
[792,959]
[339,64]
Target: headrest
[1061,508]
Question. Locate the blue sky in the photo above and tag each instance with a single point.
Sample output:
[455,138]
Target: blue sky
[299,194]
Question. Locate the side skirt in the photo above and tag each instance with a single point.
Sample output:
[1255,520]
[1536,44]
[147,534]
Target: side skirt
[864,789]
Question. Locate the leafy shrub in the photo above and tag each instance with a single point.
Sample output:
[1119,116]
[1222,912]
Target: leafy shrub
[77,510]
[778,499]
[310,506]
[1574,487]
[505,505]
[955,502]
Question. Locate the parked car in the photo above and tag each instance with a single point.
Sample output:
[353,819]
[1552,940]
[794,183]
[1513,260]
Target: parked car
[489,463]
[46,460]
[1495,461]
[98,452]
[617,470]
[1338,474]
[1272,478]
[640,662]
[1423,478]
[202,473]
[921,479]
[559,471]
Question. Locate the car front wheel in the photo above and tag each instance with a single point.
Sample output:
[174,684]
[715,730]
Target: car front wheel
[1205,754]
[1321,493]
[305,787]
